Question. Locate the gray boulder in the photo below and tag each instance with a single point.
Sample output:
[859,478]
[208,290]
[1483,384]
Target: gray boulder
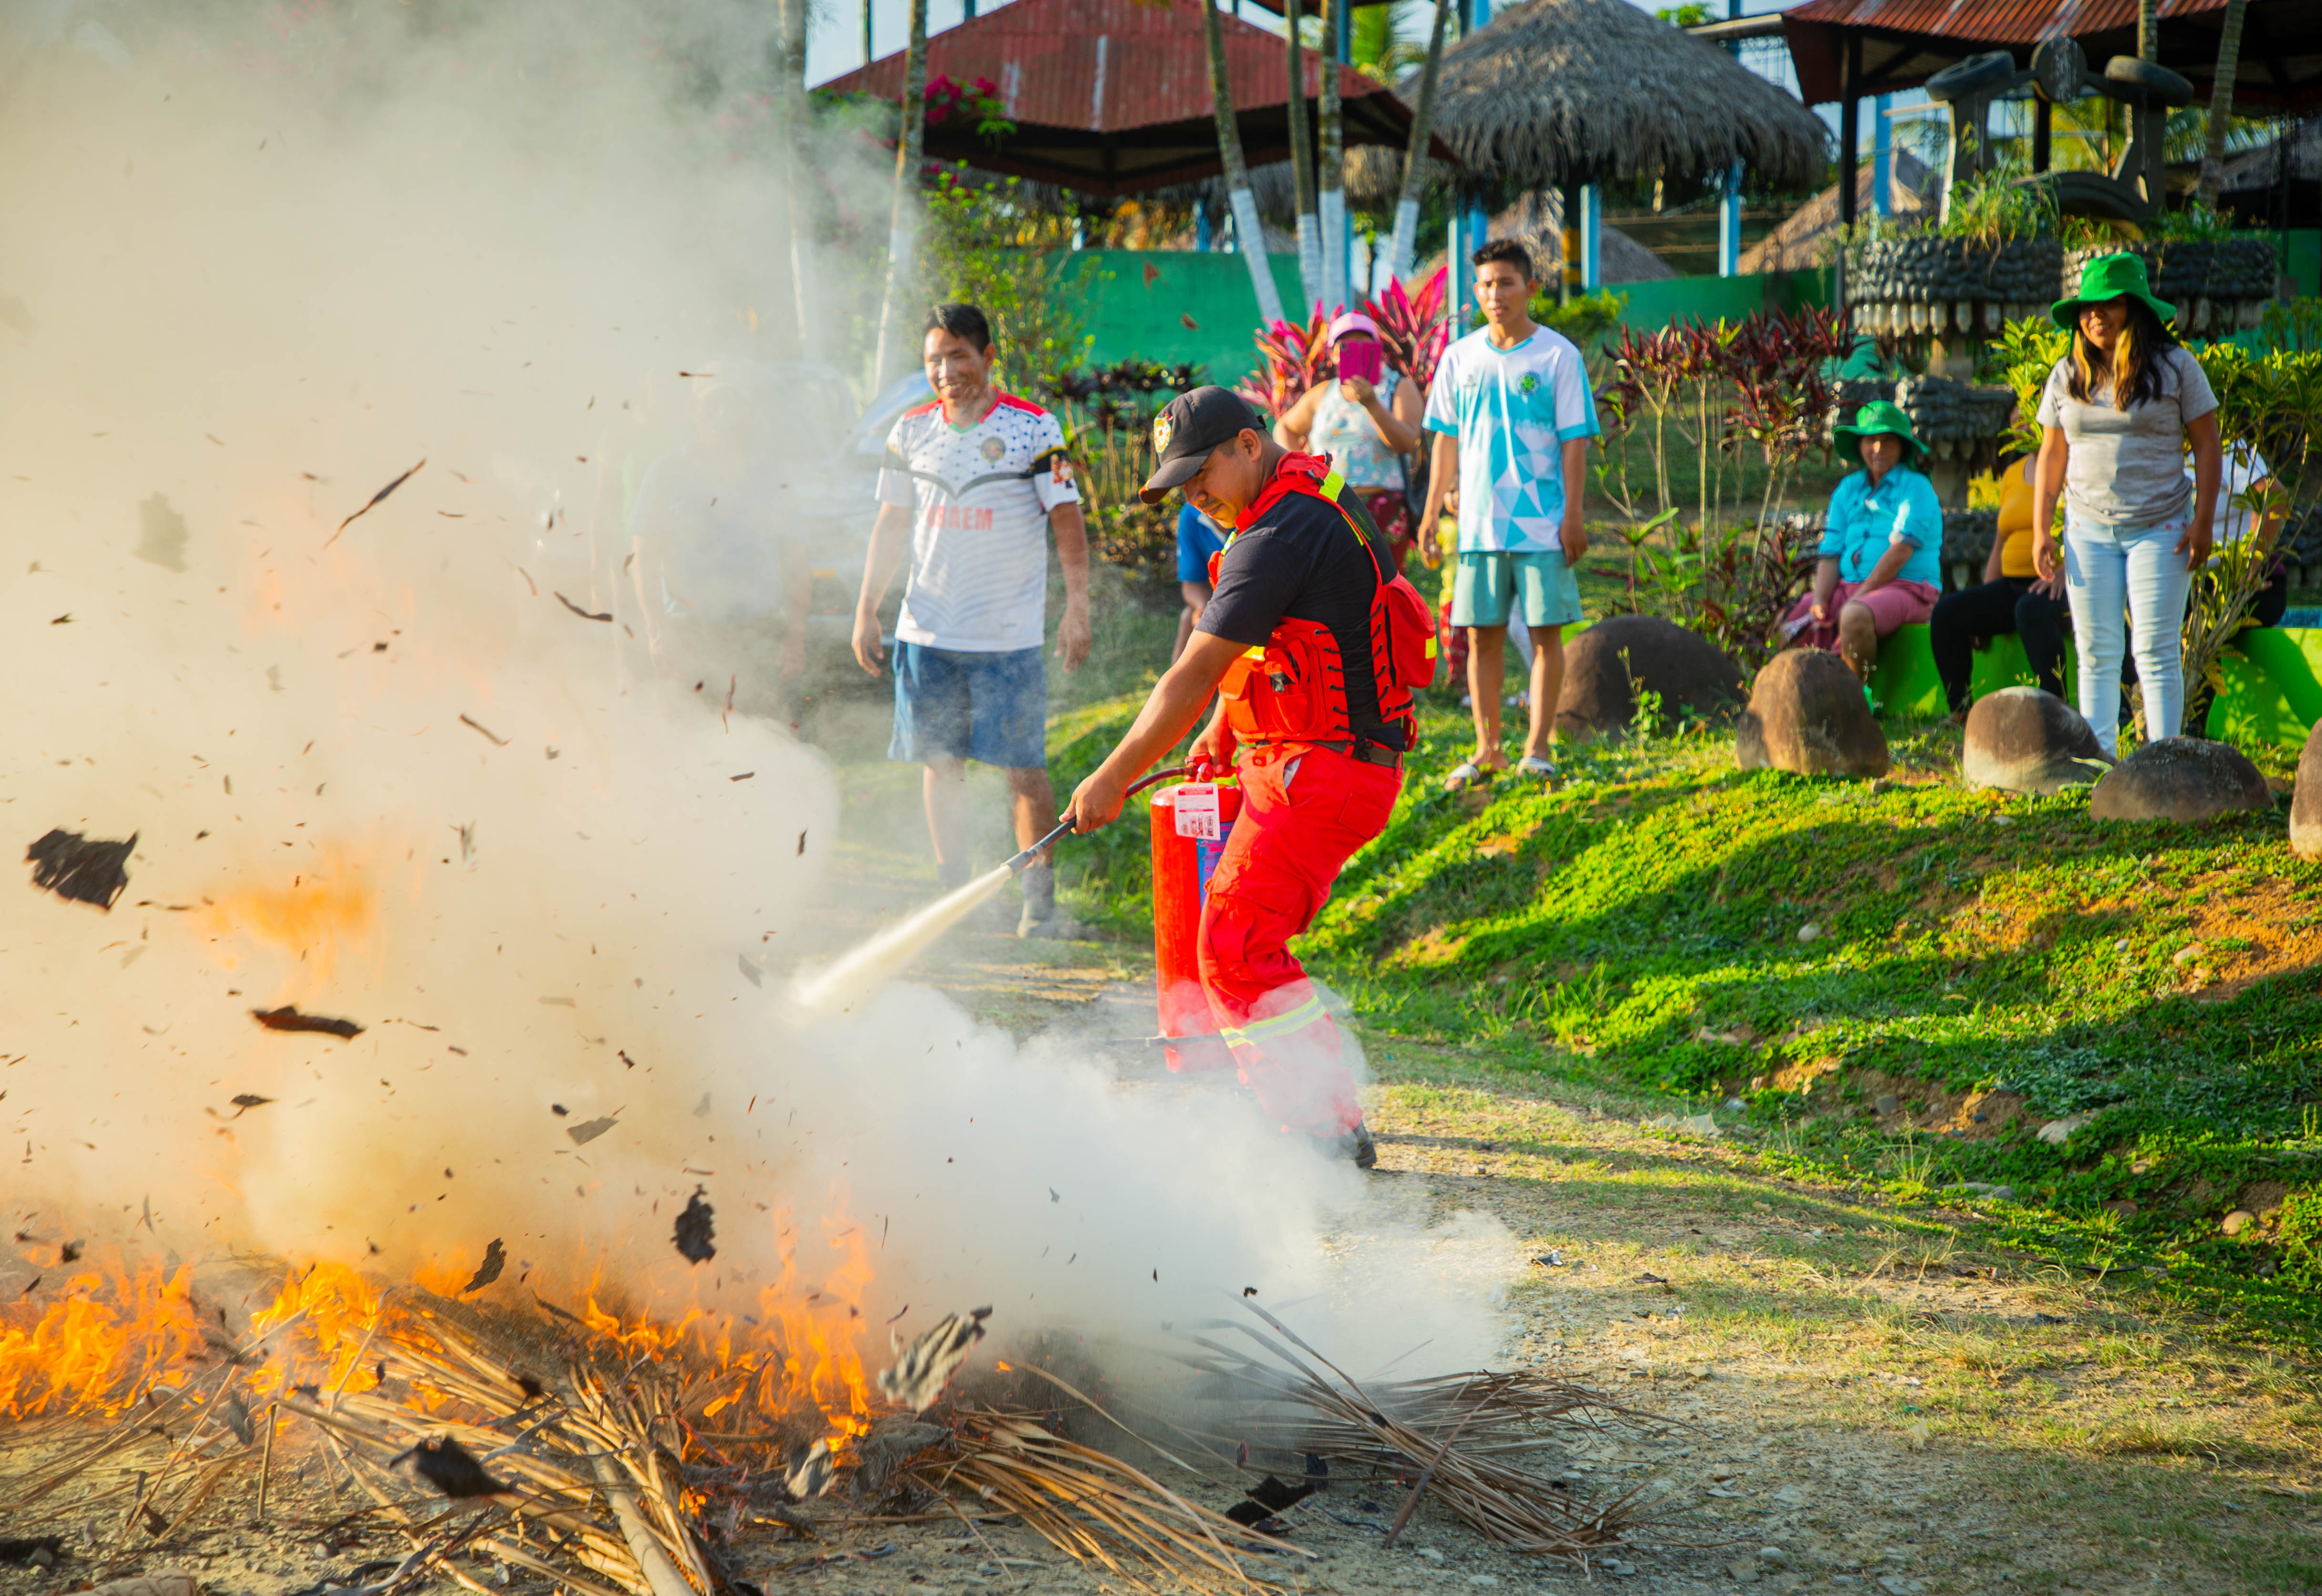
[1806,713]
[2023,740]
[2181,779]
[1620,658]
[2305,801]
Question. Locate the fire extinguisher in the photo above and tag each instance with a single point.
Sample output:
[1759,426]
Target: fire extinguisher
[1187,843]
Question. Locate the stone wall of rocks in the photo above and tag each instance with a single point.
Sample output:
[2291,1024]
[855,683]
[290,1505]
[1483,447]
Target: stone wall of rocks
[1932,286]
[2216,286]
[1956,420]
[1968,536]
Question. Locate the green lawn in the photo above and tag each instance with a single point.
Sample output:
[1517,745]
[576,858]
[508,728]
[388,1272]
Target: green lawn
[1990,964]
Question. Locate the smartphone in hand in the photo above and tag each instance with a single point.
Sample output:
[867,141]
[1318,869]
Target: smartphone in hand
[1361,357]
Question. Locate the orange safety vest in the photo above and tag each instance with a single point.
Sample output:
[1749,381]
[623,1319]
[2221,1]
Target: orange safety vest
[1293,688]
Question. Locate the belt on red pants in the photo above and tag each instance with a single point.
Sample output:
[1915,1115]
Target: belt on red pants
[1370,754]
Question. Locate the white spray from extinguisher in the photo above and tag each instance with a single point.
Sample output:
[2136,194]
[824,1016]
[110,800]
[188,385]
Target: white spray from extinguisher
[862,971]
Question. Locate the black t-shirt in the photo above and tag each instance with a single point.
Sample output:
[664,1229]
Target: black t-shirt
[1301,560]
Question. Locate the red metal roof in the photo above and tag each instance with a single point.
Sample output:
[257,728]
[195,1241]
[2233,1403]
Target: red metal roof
[1903,42]
[1113,97]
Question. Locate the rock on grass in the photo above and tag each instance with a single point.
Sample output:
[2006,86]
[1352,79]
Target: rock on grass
[1807,715]
[2181,779]
[2306,800]
[1621,659]
[2023,740]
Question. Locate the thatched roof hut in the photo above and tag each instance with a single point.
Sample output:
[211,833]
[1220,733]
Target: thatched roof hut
[1807,239]
[1580,91]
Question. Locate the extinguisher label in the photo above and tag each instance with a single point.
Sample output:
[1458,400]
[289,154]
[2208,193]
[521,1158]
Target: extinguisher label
[1197,810]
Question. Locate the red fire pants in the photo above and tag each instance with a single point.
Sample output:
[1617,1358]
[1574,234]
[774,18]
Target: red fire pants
[1305,812]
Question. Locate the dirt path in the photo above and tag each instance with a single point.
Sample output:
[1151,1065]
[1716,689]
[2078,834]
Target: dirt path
[1872,1399]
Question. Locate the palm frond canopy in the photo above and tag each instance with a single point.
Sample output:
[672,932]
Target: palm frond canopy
[1580,91]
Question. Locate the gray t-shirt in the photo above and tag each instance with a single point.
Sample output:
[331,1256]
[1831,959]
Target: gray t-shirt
[2129,467]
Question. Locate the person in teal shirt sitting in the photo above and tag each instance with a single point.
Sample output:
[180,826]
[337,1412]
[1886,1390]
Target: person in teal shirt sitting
[1882,545]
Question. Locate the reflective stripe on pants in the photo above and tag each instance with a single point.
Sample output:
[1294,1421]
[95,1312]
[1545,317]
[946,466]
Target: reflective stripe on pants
[1305,812]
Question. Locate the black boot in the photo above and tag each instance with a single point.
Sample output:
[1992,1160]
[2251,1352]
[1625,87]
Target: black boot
[1040,918]
[1354,1145]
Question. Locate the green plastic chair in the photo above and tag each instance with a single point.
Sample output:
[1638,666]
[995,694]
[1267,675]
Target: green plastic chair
[1904,682]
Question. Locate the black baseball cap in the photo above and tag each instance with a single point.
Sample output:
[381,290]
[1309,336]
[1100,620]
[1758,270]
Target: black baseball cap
[1188,427]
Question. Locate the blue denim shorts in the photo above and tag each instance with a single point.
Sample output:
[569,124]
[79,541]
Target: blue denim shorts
[990,708]
[1493,587]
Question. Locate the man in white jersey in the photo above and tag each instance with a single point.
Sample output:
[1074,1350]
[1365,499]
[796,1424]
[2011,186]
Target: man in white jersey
[1512,415]
[974,484]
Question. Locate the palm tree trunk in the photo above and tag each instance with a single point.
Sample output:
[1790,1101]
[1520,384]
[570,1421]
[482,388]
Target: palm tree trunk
[902,227]
[1302,160]
[1414,158]
[1331,208]
[1249,234]
[2221,102]
[793,122]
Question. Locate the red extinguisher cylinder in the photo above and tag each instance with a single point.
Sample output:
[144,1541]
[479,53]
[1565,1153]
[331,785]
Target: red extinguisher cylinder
[1181,877]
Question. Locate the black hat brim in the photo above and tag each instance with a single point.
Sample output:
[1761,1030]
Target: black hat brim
[1171,475]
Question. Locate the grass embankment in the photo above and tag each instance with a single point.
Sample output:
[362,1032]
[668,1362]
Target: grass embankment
[1901,985]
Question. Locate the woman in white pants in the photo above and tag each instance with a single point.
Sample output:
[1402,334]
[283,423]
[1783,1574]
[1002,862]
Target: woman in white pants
[2114,420]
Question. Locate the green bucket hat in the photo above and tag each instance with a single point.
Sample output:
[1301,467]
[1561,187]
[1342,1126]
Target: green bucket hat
[1880,416]
[2109,276]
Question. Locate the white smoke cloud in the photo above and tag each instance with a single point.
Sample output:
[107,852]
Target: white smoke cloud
[254,268]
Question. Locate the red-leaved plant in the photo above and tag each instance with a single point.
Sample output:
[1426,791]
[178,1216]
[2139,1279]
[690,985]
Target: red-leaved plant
[1413,330]
[1296,358]
[1759,379]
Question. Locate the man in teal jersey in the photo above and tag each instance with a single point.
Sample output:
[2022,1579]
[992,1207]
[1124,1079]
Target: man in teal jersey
[1512,416]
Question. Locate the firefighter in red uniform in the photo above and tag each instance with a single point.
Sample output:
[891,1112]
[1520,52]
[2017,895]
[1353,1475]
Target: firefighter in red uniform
[1313,645]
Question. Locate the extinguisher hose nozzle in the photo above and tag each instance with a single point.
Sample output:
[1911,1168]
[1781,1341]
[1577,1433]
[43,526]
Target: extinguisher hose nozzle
[1022,862]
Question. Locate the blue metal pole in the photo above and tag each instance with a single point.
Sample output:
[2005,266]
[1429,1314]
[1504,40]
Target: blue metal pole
[1591,232]
[1729,206]
[1467,234]
[1882,157]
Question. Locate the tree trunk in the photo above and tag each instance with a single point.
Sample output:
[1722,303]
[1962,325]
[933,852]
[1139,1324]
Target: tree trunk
[1423,127]
[793,125]
[902,227]
[2221,102]
[1248,231]
[1302,160]
[1331,209]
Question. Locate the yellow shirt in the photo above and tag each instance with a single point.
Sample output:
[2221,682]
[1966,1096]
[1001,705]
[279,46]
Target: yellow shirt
[2015,529]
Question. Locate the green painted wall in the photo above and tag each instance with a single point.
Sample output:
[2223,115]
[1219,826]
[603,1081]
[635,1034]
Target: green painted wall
[1185,305]
[2303,259]
[1176,304]
[1663,300]
[1198,307]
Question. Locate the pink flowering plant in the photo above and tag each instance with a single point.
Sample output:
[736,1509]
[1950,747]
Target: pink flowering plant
[981,103]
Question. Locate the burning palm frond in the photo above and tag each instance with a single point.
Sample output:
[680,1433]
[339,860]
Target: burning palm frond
[597,1453]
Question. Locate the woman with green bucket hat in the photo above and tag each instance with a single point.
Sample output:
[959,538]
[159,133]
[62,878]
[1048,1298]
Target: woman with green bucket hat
[2115,419]
[1882,544]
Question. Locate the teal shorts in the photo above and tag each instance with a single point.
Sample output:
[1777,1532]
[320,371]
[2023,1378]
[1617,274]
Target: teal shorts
[1489,588]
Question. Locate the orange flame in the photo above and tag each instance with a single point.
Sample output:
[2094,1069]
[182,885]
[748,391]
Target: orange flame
[93,1349]
[114,1332]
[326,910]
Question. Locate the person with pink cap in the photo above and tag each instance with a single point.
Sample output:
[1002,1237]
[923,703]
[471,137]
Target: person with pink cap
[1365,421]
